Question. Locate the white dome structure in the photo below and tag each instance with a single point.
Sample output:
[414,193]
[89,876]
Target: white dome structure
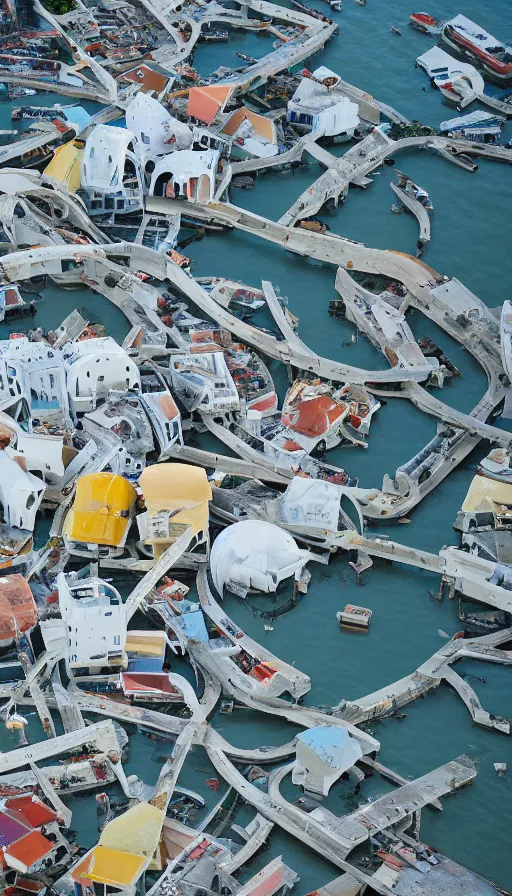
[322,755]
[254,554]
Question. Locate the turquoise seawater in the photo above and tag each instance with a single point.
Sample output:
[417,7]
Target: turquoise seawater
[470,240]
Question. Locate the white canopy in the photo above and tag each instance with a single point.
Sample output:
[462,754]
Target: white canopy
[254,554]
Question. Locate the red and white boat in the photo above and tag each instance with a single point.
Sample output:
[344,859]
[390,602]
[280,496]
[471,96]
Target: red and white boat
[470,40]
[426,23]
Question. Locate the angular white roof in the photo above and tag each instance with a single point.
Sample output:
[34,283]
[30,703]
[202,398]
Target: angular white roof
[104,157]
[439,64]
[154,128]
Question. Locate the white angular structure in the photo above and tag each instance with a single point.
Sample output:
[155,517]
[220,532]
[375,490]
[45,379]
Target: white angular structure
[202,381]
[254,554]
[323,754]
[21,494]
[93,613]
[110,171]
[94,367]
[319,107]
[34,371]
[155,131]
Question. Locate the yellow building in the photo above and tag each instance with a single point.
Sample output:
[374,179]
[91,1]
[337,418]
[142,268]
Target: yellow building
[102,510]
[176,497]
[66,163]
[126,847]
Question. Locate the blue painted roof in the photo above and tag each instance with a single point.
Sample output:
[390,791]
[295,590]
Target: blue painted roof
[329,742]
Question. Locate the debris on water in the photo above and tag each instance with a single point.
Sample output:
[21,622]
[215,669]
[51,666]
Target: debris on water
[354,618]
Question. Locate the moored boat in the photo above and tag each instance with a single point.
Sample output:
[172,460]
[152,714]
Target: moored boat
[426,23]
[469,39]
[311,12]
[506,338]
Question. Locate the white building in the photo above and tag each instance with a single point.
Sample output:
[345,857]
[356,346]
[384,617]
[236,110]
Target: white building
[319,107]
[34,371]
[110,171]
[203,382]
[95,621]
[155,131]
[323,754]
[254,554]
[188,174]
[94,367]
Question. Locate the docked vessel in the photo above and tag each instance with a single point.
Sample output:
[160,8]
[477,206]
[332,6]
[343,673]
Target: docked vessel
[426,23]
[481,127]
[469,39]
[506,338]
[311,12]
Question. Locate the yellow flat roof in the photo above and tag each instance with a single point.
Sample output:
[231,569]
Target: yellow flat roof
[113,867]
[135,832]
[484,491]
[145,644]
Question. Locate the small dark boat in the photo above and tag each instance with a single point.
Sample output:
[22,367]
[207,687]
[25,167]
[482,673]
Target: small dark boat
[311,12]
[246,58]
[216,35]
[396,30]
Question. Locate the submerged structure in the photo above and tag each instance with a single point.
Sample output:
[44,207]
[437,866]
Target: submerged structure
[207,455]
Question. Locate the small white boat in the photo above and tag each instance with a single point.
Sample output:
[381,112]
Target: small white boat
[506,338]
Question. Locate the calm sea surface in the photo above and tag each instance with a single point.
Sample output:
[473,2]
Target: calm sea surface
[470,240]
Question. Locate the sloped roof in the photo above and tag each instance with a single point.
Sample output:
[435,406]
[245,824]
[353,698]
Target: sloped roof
[136,832]
[11,829]
[29,849]
[264,127]
[152,683]
[30,810]
[109,866]
[65,165]
[314,416]
[205,102]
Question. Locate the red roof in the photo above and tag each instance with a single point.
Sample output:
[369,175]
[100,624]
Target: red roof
[266,403]
[314,416]
[268,885]
[149,682]
[205,102]
[31,810]
[17,605]
[29,849]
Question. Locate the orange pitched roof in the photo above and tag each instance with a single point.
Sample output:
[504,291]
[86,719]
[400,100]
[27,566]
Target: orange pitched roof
[313,417]
[148,77]
[205,102]
[168,406]
[31,810]
[262,126]
[29,849]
